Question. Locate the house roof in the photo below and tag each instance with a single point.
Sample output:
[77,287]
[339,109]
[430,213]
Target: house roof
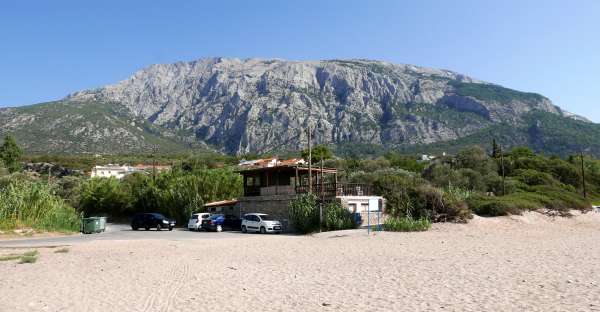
[228,202]
[301,168]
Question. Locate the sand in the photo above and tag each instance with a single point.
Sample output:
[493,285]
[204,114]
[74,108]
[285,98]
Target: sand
[525,263]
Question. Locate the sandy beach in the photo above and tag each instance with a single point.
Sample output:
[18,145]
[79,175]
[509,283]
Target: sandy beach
[521,263]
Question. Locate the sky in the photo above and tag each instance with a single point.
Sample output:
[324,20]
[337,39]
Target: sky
[49,49]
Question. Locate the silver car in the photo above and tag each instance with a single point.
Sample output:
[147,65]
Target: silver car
[260,222]
[195,222]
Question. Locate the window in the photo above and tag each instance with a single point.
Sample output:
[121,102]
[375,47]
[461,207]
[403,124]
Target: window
[352,207]
[364,207]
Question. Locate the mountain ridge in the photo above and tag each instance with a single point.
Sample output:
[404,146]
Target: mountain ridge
[241,106]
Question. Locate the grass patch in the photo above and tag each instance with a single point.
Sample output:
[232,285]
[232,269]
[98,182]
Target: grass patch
[9,257]
[62,250]
[27,257]
[406,224]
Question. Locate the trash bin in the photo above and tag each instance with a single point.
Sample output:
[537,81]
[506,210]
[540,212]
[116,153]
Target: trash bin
[90,225]
[102,227]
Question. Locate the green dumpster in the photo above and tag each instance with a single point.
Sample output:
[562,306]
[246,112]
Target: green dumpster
[102,224]
[90,225]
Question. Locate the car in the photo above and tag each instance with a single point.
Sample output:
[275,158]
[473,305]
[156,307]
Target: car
[195,222]
[151,220]
[260,222]
[219,222]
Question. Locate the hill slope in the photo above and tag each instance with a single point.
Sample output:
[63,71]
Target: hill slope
[260,106]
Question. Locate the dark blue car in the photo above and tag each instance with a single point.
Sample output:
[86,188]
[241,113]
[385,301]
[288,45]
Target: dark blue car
[219,222]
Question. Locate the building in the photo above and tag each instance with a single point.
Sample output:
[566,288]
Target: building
[270,189]
[119,172]
[225,207]
[110,170]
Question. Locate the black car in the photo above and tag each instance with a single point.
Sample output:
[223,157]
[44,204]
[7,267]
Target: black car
[151,220]
[219,222]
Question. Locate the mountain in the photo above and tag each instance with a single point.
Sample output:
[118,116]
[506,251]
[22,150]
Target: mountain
[263,106]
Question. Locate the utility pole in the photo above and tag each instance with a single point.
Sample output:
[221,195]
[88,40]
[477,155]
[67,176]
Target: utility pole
[154,149]
[503,174]
[322,197]
[583,176]
[309,161]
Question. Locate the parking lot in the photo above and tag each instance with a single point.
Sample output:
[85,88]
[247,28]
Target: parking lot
[120,232]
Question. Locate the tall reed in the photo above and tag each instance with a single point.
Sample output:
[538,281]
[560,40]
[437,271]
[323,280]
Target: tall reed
[33,205]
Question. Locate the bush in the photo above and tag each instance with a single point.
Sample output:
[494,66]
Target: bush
[406,224]
[32,204]
[536,198]
[304,213]
[534,177]
[337,217]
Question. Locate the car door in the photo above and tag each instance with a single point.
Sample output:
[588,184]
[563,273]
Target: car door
[252,223]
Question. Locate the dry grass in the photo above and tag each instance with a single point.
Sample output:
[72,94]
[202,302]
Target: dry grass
[27,257]
[62,250]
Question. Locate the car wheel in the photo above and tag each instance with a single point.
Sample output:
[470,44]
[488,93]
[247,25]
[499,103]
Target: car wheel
[134,228]
[263,230]
[147,228]
[219,228]
[170,228]
[158,227]
[244,229]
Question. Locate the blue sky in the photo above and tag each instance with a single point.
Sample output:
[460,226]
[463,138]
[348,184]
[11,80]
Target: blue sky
[51,48]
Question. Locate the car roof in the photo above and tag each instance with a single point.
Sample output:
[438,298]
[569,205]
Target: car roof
[256,214]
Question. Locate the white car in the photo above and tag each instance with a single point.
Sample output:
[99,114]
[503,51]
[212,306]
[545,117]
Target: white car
[260,222]
[195,223]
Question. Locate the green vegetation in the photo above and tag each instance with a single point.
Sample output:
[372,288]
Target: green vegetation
[305,213]
[304,210]
[25,203]
[10,153]
[29,257]
[337,217]
[406,224]
[26,257]
[491,92]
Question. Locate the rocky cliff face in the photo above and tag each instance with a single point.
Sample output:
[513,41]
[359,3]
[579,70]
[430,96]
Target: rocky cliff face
[252,105]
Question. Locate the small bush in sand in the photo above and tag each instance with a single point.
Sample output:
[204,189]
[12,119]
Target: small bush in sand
[29,257]
[406,224]
[62,250]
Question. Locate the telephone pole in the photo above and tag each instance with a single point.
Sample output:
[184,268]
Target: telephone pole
[503,174]
[583,175]
[309,161]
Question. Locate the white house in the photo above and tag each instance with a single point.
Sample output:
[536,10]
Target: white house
[111,171]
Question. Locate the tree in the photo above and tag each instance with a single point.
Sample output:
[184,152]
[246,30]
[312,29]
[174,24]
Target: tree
[10,153]
[318,152]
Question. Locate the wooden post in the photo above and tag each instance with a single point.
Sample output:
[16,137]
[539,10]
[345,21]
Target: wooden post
[309,162]
[583,176]
[503,174]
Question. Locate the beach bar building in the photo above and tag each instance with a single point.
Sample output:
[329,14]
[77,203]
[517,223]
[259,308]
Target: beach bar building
[270,189]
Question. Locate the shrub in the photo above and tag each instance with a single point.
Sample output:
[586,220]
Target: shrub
[337,217]
[536,198]
[534,177]
[304,213]
[406,224]
[32,204]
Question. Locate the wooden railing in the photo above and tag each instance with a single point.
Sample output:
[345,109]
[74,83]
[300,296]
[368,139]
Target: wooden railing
[339,189]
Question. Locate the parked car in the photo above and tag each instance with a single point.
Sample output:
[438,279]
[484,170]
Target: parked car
[219,222]
[151,220]
[260,222]
[195,222]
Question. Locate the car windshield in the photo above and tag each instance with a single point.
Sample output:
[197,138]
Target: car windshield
[266,218]
[216,216]
[158,215]
[194,217]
